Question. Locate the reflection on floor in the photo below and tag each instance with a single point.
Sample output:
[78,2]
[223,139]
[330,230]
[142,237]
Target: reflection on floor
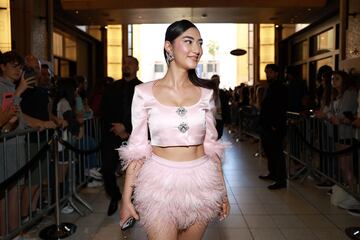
[299,212]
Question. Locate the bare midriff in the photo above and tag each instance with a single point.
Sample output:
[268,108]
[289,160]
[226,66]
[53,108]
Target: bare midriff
[179,153]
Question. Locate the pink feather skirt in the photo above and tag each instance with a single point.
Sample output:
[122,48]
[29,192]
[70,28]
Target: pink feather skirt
[178,194]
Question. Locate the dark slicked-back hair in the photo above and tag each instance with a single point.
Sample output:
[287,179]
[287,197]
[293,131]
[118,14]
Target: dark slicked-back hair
[174,31]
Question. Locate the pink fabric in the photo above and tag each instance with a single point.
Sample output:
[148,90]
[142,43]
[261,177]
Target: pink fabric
[169,193]
[129,153]
[164,122]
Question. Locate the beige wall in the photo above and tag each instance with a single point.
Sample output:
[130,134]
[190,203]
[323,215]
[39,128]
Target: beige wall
[39,39]
[353,30]
[352,47]
[28,27]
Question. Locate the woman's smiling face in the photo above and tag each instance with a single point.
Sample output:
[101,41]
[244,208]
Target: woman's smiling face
[187,48]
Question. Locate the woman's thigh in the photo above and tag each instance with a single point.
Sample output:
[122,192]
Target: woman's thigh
[159,232]
[194,232]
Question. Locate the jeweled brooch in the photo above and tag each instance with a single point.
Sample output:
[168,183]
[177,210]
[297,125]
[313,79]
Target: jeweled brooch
[183,127]
[181,111]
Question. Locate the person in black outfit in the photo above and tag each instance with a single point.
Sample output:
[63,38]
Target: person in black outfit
[273,127]
[116,112]
[297,90]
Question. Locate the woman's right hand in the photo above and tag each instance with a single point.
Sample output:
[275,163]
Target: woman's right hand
[25,84]
[127,210]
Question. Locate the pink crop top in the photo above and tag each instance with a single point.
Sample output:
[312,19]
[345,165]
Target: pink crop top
[170,125]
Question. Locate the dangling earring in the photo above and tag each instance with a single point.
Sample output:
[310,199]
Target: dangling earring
[169,57]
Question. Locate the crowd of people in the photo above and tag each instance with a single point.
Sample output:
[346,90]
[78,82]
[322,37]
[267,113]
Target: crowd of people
[186,149]
[30,97]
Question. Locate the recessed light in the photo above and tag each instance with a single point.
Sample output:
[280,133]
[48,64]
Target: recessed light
[77,12]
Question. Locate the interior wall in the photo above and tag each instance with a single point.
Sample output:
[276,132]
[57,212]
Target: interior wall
[352,61]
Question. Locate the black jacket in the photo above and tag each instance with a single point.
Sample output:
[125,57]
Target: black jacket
[273,108]
[116,103]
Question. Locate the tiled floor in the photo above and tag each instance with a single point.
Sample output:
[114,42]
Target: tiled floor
[299,212]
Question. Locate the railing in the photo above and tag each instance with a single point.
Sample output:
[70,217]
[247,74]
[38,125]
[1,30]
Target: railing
[249,126]
[315,147]
[318,148]
[32,185]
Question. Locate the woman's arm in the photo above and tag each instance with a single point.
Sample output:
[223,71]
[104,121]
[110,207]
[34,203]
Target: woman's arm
[138,146]
[225,208]
[214,148]
[6,115]
[133,154]
[127,208]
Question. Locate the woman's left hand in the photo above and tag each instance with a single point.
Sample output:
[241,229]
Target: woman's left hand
[225,208]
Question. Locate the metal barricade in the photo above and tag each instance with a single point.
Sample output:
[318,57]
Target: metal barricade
[322,150]
[249,126]
[30,181]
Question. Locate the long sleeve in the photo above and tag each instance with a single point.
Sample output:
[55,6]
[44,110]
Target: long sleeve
[212,145]
[138,146]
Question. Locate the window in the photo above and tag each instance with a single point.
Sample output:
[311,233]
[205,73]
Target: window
[323,42]
[200,69]
[5,26]
[65,54]
[300,51]
[58,44]
[64,46]
[325,61]
[304,72]
[159,68]
[114,51]
[211,67]
[70,49]
[267,48]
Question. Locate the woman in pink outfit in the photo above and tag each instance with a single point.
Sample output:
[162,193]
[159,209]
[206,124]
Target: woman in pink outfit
[176,177]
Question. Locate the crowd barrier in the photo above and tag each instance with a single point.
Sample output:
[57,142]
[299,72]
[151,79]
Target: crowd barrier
[323,150]
[249,126]
[41,172]
[315,147]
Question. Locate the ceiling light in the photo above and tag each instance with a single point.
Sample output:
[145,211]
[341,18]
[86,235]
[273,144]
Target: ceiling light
[204,15]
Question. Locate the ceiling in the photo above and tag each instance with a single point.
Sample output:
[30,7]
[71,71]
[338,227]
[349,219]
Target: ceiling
[108,12]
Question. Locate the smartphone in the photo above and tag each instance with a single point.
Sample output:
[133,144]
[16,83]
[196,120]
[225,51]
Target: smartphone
[7,100]
[128,223]
[349,115]
[29,72]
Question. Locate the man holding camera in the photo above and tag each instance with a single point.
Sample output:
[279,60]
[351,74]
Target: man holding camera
[36,101]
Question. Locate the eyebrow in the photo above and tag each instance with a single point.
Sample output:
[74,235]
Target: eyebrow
[200,39]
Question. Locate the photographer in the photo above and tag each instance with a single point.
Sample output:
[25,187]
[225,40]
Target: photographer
[11,65]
